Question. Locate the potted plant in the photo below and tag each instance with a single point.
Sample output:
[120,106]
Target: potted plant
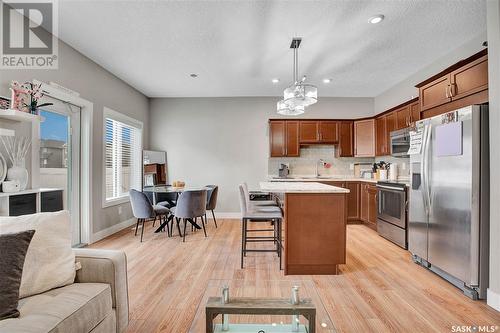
[27,96]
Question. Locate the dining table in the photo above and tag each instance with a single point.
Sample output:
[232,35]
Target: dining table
[156,189]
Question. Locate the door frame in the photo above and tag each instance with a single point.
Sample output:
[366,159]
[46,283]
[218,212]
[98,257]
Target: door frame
[87,113]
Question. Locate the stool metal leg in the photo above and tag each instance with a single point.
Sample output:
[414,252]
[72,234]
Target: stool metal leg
[242,239]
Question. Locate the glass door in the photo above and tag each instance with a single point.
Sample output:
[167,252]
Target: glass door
[60,157]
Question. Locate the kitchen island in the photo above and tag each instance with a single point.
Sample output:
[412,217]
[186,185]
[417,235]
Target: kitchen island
[315,218]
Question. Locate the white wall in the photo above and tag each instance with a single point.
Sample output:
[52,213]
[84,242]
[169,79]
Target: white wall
[494,100]
[224,141]
[405,90]
[100,87]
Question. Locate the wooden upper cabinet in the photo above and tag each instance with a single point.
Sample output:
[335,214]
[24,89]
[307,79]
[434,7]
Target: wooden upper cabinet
[308,131]
[403,117]
[414,112]
[346,139]
[292,148]
[435,93]
[277,138]
[364,138]
[390,125]
[381,137]
[328,131]
[469,79]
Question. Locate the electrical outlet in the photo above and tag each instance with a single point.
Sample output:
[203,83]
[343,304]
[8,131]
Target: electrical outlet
[120,210]
[351,166]
[403,166]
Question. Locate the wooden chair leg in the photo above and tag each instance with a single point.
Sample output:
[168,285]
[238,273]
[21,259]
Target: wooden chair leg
[184,236]
[136,227]
[203,225]
[142,230]
[213,215]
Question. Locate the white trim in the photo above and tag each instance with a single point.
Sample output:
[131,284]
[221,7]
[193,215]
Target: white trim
[493,299]
[87,114]
[112,114]
[112,230]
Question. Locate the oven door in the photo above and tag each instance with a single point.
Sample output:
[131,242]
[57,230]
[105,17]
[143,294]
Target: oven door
[392,205]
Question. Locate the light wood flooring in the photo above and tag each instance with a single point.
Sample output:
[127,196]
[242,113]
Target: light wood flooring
[379,289]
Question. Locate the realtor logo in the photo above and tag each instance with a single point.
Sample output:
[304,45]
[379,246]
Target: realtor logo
[28,36]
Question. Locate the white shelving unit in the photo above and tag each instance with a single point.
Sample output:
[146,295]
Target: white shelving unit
[15,115]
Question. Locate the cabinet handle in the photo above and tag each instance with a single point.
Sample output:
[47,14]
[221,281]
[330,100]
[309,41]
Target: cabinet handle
[446,90]
[453,89]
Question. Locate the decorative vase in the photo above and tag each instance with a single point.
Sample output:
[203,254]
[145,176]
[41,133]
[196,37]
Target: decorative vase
[18,172]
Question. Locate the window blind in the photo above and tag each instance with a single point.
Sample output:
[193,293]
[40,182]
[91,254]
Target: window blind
[123,158]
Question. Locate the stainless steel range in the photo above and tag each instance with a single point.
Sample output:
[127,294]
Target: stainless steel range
[392,212]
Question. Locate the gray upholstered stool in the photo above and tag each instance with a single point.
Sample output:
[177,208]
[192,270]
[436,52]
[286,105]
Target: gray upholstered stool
[143,210]
[262,203]
[259,214]
[191,204]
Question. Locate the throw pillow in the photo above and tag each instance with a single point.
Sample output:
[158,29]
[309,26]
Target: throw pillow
[50,261]
[13,248]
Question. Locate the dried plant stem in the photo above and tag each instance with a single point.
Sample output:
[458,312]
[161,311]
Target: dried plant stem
[16,147]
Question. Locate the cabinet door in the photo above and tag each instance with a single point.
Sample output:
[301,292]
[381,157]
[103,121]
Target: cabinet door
[372,204]
[390,125]
[364,138]
[469,79]
[308,131]
[363,201]
[403,117]
[22,204]
[435,93]
[277,138]
[353,201]
[346,139]
[328,132]
[381,138]
[51,201]
[414,112]
[292,138]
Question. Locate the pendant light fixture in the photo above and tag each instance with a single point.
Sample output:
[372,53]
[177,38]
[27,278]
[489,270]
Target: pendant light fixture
[298,95]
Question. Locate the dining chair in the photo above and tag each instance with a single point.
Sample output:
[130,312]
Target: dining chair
[212,191]
[143,210]
[259,214]
[191,204]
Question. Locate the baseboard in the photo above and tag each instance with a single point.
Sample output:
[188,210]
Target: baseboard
[111,230]
[493,299]
[225,215]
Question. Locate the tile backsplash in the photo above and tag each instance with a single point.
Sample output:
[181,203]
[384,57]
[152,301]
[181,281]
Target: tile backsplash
[309,156]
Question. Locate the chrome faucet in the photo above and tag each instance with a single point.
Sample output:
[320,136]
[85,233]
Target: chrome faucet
[317,163]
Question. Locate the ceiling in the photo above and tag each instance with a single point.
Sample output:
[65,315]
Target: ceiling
[237,47]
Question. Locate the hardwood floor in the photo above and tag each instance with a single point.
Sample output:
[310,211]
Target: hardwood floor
[379,289]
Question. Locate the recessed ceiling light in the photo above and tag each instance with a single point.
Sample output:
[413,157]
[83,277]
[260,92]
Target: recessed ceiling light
[275,80]
[327,80]
[193,75]
[376,19]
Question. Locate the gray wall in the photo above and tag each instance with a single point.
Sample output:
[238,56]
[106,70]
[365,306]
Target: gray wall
[224,141]
[494,99]
[405,90]
[100,87]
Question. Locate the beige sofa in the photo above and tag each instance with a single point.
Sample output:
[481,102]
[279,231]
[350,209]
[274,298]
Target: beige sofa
[97,301]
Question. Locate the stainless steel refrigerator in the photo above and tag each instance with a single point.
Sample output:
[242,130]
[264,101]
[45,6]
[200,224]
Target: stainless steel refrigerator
[449,197]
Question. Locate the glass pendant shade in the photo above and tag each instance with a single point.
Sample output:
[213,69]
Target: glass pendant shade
[300,95]
[286,110]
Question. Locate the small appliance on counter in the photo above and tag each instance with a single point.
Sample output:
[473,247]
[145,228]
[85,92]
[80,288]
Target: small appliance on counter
[284,170]
[362,169]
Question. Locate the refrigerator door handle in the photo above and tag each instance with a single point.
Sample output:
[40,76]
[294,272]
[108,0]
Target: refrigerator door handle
[426,168]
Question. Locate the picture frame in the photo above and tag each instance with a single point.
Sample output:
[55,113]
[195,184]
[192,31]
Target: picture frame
[4,103]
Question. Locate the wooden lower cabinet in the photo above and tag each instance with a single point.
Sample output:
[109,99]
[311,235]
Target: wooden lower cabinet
[353,201]
[368,203]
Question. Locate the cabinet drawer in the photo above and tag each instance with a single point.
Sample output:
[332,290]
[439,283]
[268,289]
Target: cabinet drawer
[51,201]
[22,204]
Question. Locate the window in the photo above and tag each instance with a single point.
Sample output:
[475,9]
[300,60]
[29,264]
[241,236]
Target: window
[122,156]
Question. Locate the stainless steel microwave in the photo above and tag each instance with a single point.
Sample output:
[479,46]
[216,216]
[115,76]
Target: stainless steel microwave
[400,142]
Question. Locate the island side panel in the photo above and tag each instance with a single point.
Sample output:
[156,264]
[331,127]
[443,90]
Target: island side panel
[315,232]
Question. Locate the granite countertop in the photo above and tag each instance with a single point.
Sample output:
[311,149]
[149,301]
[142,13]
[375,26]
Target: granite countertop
[300,187]
[321,179]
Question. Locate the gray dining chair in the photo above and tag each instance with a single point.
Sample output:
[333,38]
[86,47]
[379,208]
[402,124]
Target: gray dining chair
[143,210]
[212,191]
[259,214]
[191,204]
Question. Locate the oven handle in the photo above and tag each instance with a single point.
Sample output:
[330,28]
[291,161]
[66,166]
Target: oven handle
[391,188]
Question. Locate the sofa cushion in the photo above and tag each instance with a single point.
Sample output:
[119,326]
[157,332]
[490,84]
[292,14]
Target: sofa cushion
[50,261]
[13,248]
[78,307]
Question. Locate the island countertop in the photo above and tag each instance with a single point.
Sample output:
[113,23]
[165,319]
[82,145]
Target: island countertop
[300,187]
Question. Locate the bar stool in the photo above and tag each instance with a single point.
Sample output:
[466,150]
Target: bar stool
[262,203]
[259,214]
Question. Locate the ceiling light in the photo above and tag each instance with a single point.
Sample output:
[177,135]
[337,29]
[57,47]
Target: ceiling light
[193,75]
[376,19]
[275,81]
[327,80]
